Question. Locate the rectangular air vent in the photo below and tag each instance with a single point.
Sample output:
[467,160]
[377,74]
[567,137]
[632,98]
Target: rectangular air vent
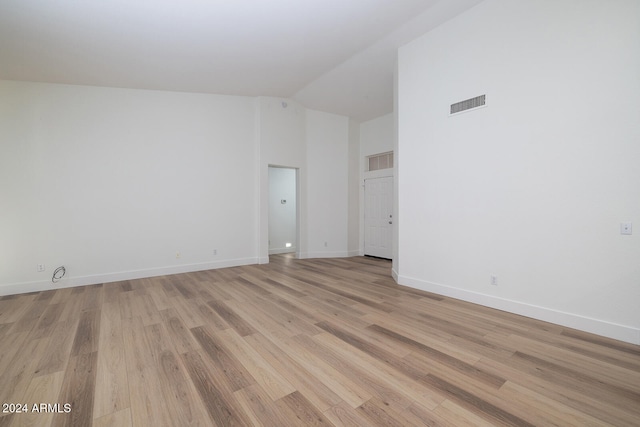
[468,104]
[380,161]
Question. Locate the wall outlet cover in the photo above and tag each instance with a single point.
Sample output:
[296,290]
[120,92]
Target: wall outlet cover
[626,228]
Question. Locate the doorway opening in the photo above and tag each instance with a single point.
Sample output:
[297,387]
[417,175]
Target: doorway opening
[283,210]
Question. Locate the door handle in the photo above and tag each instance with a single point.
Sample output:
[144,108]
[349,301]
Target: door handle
[390,222]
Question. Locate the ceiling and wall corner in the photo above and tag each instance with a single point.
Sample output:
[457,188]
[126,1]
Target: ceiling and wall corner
[331,55]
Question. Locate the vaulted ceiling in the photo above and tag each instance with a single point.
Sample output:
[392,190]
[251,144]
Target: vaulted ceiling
[331,55]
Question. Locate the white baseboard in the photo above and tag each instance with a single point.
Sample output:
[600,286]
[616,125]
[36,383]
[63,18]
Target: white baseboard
[394,274]
[68,282]
[600,327]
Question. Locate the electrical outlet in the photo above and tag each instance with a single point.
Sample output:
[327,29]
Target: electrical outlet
[40,268]
[215,252]
[494,280]
[178,255]
[325,244]
[626,228]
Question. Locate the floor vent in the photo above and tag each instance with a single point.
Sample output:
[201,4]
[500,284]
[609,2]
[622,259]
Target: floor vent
[468,104]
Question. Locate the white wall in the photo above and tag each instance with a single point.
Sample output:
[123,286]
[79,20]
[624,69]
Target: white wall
[112,183]
[533,187]
[327,143]
[281,141]
[282,216]
[317,144]
[376,136]
[353,192]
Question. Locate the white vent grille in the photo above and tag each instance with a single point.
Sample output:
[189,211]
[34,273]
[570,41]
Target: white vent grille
[380,161]
[468,104]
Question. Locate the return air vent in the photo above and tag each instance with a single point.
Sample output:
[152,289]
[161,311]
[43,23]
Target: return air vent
[468,104]
[380,161]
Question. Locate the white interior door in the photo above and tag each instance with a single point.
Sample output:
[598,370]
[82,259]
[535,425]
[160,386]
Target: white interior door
[378,216]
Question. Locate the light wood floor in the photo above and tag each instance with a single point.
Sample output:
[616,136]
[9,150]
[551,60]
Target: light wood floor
[300,342]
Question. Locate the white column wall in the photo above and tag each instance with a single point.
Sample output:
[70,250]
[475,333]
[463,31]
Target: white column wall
[327,186]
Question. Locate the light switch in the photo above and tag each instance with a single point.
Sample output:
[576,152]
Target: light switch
[626,228]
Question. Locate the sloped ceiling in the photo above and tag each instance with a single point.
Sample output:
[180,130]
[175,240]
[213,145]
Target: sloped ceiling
[332,55]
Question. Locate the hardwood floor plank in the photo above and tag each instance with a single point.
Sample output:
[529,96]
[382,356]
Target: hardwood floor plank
[78,390]
[56,356]
[92,297]
[144,307]
[279,286]
[30,317]
[259,407]
[12,309]
[377,353]
[321,396]
[286,319]
[11,345]
[438,341]
[42,389]
[87,332]
[237,376]
[4,329]
[15,380]
[608,373]
[235,321]
[300,409]
[178,392]
[476,404]
[620,397]
[181,336]
[112,386]
[423,395]
[432,354]
[189,312]
[341,384]
[344,415]
[271,381]
[542,410]
[159,297]
[559,393]
[126,304]
[147,405]
[183,285]
[47,321]
[301,342]
[211,317]
[417,414]
[375,411]
[116,419]
[376,383]
[608,343]
[217,396]
[260,322]
[456,415]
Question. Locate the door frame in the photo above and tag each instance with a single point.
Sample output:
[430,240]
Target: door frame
[297,178]
[381,173]
[391,218]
